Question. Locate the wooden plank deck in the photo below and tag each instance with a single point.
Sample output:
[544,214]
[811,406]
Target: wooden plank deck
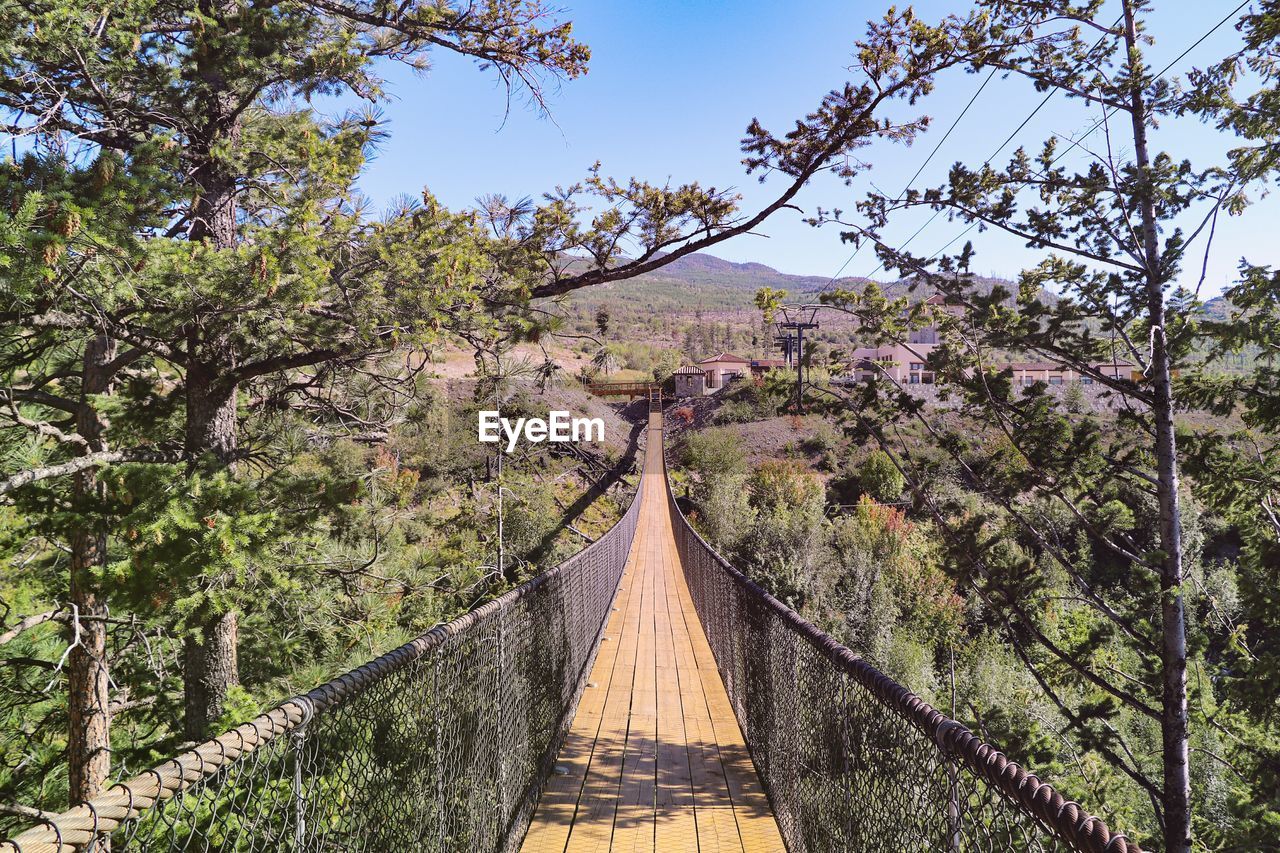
[654,760]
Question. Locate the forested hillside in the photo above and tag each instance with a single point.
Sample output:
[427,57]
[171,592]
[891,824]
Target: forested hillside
[701,282]
[347,546]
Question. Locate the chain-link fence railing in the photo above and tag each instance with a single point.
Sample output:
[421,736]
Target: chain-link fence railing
[440,745]
[852,760]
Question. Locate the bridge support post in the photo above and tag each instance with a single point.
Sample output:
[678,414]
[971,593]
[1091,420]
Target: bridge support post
[954,839]
[298,747]
[504,818]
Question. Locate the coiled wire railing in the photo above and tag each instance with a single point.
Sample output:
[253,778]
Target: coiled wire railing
[852,760]
[440,745]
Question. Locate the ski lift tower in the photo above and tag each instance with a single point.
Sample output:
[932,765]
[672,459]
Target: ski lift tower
[791,324]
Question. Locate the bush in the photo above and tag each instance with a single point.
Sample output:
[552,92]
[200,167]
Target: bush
[822,439]
[784,483]
[890,581]
[880,478]
[736,412]
[781,547]
[1073,398]
[714,453]
[725,513]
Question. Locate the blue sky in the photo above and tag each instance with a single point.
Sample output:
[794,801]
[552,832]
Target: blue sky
[673,85]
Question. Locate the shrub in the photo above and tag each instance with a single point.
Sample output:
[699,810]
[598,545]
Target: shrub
[781,547]
[726,514]
[735,412]
[1073,398]
[822,439]
[891,580]
[786,483]
[714,453]
[880,478]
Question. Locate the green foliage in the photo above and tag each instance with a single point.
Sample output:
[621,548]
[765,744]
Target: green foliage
[210,234]
[1073,399]
[736,412]
[779,540]
[748,400]
[714,454]
[821,438]
[880,478]
[719,462]
[890,583]
[240,708]
[785,484]
[1083,518]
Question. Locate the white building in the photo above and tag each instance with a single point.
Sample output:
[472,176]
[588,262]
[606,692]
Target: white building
[722,369]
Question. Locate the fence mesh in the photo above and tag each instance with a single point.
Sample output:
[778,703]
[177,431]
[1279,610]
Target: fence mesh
[444,743]
[440,745]
[851,760]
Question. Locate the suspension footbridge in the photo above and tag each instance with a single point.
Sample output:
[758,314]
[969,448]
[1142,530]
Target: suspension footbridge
[644,695]
[655,758]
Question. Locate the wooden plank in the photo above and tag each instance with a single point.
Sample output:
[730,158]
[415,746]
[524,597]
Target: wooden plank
[654,759]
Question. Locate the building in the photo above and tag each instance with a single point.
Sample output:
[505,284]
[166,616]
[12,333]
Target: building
[902,363]
[722,369]
[1029,373]
[1052,373]
[1116,369]
[761,366]
[690,381]
[906,363]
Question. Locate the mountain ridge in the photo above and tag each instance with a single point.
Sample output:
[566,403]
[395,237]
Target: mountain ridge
[703,282]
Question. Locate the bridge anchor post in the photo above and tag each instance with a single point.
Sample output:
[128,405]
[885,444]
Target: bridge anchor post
[297,746]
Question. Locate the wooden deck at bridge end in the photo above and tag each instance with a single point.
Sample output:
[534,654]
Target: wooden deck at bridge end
[654,760]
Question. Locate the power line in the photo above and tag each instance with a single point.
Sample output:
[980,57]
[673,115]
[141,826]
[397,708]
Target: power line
[994,155]
[946,135]
[926,162]
[1073,142]
[1197,42]
[1108,112]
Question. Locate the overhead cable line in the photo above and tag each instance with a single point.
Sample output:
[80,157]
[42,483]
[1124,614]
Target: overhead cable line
[926,162]
[992,156]
[996,153]
[1074,142]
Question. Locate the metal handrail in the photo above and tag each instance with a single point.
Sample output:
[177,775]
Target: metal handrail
[958,748]
[82,827]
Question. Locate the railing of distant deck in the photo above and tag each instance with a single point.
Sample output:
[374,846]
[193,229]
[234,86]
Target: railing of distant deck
[440,745]
[852,760]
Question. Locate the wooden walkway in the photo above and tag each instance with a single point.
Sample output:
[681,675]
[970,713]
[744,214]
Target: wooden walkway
[655,760]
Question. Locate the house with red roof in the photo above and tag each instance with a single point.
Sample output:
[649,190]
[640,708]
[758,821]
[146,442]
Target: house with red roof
[722,369]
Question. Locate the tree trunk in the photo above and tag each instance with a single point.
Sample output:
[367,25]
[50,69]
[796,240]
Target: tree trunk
[211,670]
[211,415]
[1174,722]
[88,699]
[209,652]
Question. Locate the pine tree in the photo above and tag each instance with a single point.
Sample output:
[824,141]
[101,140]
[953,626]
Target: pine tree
[1113,255]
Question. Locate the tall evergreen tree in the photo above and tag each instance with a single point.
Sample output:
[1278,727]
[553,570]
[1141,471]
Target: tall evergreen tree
[1117,234]
[66,228]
